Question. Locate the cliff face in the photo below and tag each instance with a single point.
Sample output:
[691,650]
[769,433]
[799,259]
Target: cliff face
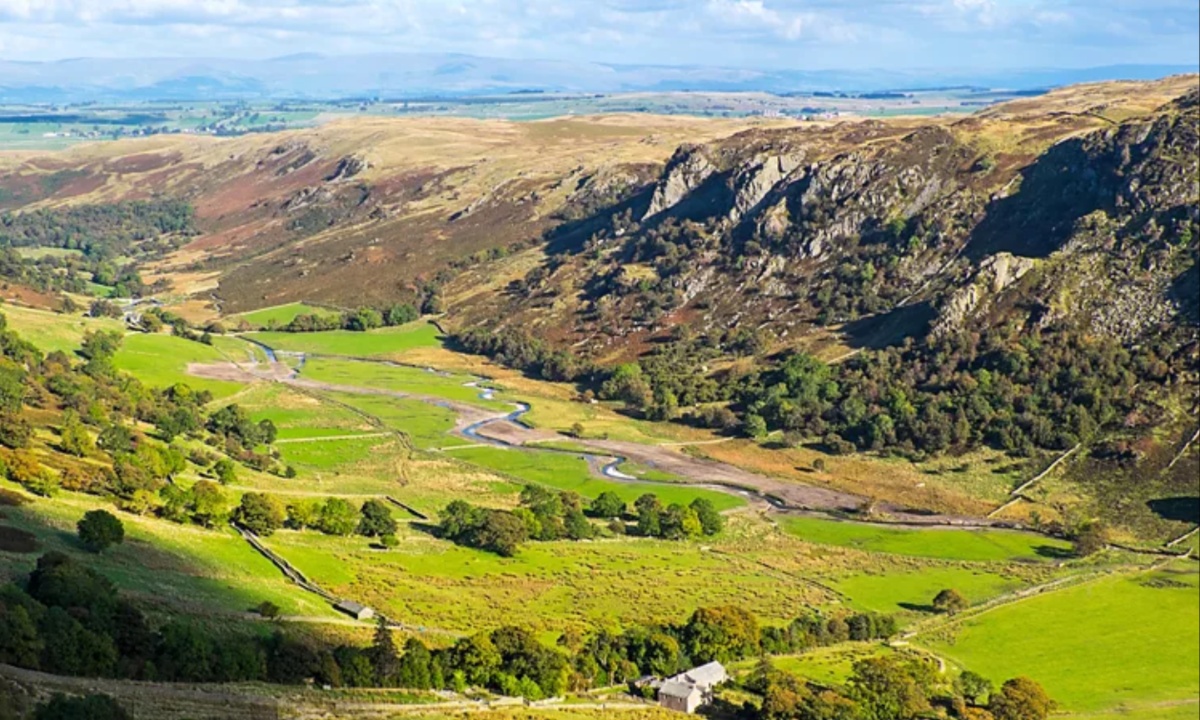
[919,228]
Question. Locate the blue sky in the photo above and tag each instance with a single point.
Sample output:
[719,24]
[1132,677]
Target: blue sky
[801,34]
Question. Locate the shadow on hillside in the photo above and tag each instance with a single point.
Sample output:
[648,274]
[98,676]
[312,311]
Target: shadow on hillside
[1055,553]
[1063,185]
[1180,509]
[891,328]
[919,607]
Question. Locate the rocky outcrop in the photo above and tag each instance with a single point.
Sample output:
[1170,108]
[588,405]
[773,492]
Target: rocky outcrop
[688,168]
[752,184]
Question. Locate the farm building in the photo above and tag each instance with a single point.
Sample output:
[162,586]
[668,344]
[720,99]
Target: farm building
[354,610]
[688,691]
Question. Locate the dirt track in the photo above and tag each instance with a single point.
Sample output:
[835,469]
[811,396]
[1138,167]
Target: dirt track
[493,425]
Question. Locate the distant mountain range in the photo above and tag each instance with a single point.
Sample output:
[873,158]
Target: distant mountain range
[406,75]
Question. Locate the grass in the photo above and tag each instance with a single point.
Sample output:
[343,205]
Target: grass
[401,378]
[571,472]
[283,314]
[330,454]
[373,343]
[895,590]
[825,665]
[161,360]
[299,416]
[179,567]
[546,586]
[1121,640]
[51,331]
[427,426]
[947,544]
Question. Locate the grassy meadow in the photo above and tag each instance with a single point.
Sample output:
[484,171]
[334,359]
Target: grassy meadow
[162,360]
[282,314]
[373,343]
[1126,640]
[949,544]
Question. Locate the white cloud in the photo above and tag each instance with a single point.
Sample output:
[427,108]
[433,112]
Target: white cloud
[796,33]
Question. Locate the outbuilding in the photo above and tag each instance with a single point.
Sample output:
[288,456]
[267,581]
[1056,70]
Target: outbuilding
[358,611]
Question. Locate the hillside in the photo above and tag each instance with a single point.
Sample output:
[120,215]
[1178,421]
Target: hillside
[962,285]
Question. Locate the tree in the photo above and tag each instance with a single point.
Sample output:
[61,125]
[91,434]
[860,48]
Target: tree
[383,655]
[209,505]
[711,521]
[680,523]
[607,505]
[973,686]
[376,519]
[268,609]
[501,532]
[338,517]
[649,513]
[950,601]
[225,471]
[888,689]
[99,530]
[260,513]
[721,633]
[73,436]
[1020,699]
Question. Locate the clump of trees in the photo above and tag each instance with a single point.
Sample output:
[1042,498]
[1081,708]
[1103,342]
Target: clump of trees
[546,515]
[362,319]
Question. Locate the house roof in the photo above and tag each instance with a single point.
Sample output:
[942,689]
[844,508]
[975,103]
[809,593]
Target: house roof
[351,606]
[706,675]
[677,689]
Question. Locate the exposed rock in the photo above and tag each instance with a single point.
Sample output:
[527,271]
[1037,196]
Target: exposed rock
[685,172]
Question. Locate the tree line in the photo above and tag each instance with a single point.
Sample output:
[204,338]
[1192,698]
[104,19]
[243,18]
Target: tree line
[1006,388]
[546,515]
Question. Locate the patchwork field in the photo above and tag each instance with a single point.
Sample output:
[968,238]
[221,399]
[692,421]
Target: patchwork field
[1080,641]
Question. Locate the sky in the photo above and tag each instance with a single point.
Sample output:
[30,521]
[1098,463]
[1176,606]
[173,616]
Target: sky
[767,34]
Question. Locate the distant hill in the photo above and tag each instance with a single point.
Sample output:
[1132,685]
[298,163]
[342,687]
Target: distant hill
[317,76]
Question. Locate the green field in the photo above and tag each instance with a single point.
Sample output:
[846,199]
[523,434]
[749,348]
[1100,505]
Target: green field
[944,543]
[162,360]
[373,343]
[401,378]
[427,426]
[1120,640]
[283,314]
[570,472]
[180,567]
[913,590]
[824,665]
[51,331]
[547,586]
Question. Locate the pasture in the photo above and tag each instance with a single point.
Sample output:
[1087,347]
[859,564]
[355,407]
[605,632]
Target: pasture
[161,361]
[911,591]
[1127,640]
[548,586]
[183,568]
[401,379]
[565,471]
[944,543]
[282,314]
[372,343]
[51,331]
